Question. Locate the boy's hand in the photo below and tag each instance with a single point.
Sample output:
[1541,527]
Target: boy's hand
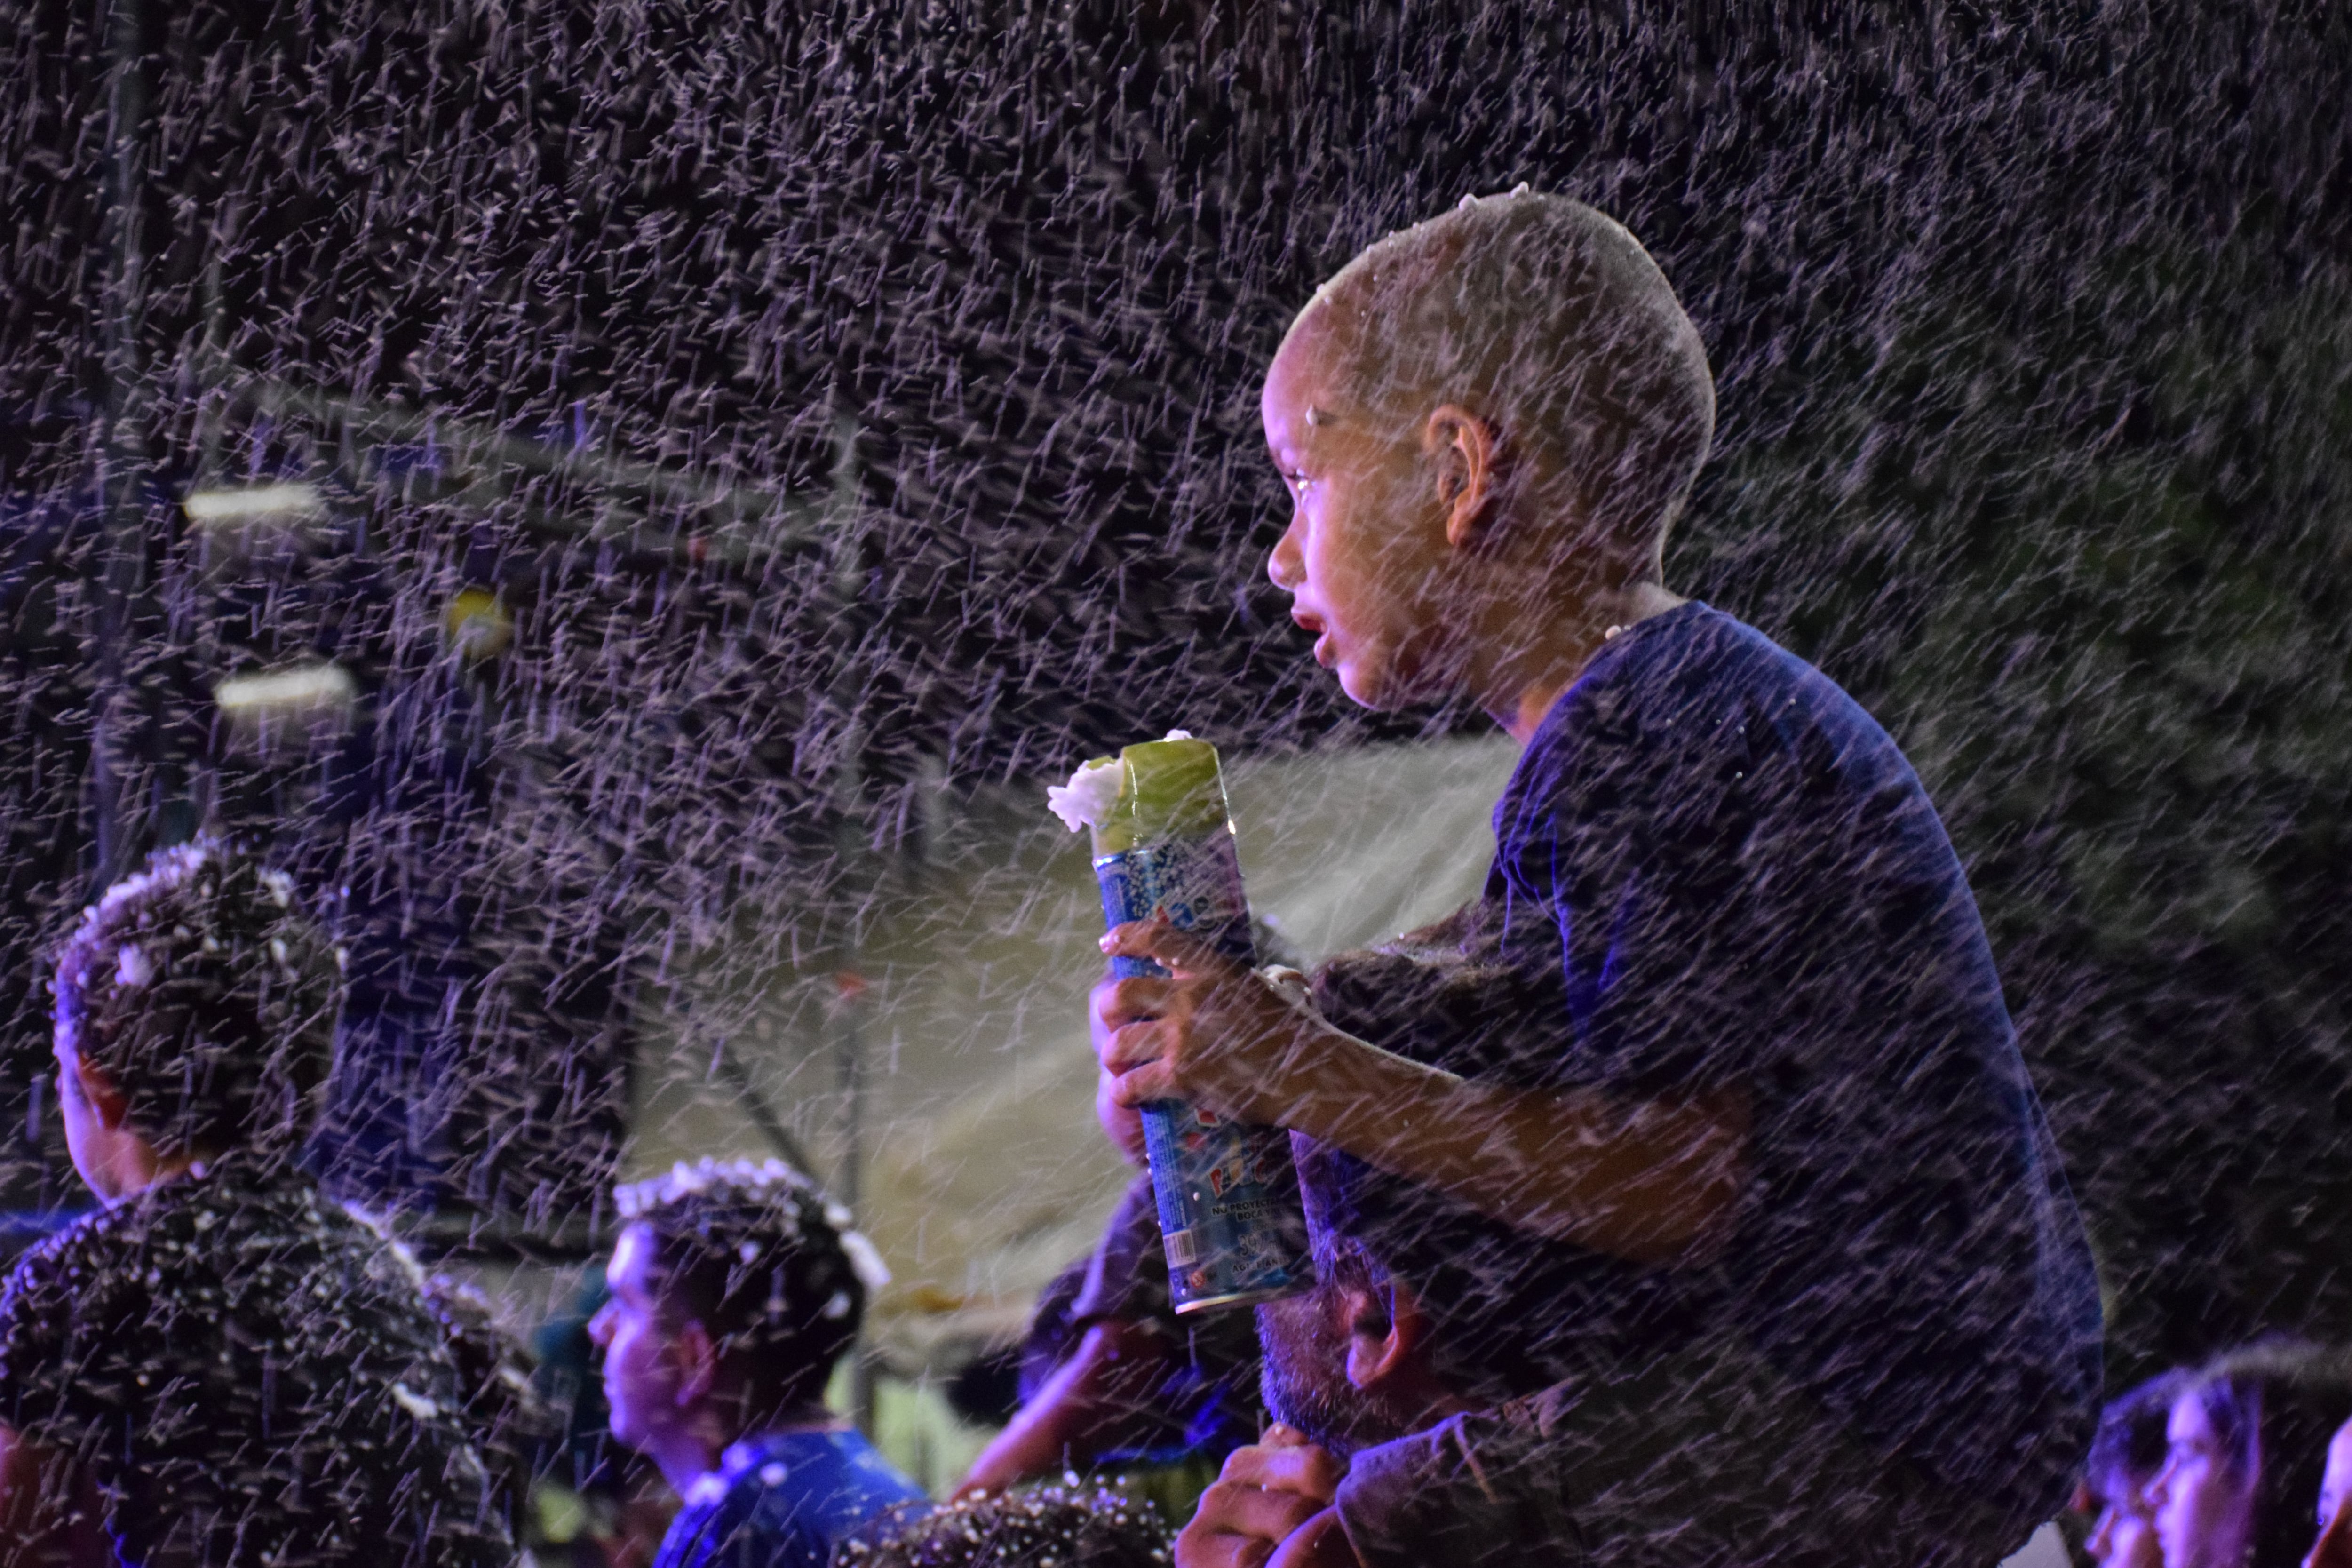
[1266,1492]
[1214,1032]
[1110,1007]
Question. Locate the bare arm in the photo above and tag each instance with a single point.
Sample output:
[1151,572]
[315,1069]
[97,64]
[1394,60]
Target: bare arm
[1090,1403]
[48,1510]
[1650,1181]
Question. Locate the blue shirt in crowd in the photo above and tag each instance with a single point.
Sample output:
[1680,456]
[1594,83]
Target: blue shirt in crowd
[784,1499]
[1714,872]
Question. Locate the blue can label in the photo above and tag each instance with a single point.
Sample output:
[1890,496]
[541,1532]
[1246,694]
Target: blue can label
[1228,1196]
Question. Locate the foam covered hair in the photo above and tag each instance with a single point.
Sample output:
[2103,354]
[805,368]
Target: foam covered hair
[761,1257]
[207,997]
[1034,1527]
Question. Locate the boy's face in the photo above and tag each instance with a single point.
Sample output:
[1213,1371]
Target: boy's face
[1365,559]
[642,1375]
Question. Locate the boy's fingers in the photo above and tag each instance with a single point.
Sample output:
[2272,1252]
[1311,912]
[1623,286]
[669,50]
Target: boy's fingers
[1147,1083]
[1158,938]
[1137,997]
[1132,1046]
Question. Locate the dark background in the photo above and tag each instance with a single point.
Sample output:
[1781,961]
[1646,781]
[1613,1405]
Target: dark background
[2032,326]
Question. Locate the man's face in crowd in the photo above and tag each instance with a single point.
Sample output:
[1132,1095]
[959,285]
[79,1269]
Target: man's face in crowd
[2124,1534]
[1364,557]
[1306,1340]
[2204,1506]
[644,1376]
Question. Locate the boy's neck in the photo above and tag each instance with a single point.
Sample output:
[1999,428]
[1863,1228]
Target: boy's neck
[697,1446]
[1520,688]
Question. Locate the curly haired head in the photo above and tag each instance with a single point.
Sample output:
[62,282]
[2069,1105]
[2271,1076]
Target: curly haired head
[762,1260]
[205,996]
[1034,1527]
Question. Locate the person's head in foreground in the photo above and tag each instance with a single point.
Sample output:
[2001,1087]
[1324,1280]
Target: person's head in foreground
[1353,1363]
[2247,1444]
[196,1010]
[1036,1527]
[2124,1458]
[1488,424]
[735,1288]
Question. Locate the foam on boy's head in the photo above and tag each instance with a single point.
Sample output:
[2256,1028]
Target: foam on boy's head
[1549,321]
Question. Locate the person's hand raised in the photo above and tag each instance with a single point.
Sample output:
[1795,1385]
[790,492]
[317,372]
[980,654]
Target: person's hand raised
[1265,1492]
[1213,1031]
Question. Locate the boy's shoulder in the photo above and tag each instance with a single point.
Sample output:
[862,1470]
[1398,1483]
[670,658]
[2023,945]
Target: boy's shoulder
[1700,698]
[781,1500]
[1679,675]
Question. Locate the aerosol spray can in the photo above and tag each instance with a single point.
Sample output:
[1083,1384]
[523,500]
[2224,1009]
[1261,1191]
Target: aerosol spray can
[1228,1196]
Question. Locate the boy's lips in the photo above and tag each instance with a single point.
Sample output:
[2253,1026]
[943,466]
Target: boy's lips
[1314,623]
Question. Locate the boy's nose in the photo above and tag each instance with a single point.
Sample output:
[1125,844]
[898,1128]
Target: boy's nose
[600,1326]
[1286,565]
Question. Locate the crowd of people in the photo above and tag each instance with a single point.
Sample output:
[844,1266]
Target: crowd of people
[2245,1459]
[1683,1200]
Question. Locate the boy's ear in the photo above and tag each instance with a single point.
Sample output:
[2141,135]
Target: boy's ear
[1464,448]
[698,1361]
[98,1092]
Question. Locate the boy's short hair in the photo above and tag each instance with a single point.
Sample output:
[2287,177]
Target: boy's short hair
[1036,1527]
[201,992]
[1548,317]
[762,1260]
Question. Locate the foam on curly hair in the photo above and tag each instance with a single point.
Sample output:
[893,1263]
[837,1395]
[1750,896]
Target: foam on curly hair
[1034,1527]
[202,991]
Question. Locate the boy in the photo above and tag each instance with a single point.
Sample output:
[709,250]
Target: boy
[1739,1123]
[220,1366]
[735,1288]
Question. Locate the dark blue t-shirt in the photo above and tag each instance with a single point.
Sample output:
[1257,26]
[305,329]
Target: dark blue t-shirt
[1714,870]
[784,1499]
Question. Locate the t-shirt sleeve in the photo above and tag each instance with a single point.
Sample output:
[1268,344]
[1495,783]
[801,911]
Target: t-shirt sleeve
[1638,869]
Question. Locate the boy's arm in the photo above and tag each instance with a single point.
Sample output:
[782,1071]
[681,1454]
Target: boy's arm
[1653,1181]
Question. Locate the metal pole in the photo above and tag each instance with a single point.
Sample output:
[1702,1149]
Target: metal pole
[849,578]
[121,455]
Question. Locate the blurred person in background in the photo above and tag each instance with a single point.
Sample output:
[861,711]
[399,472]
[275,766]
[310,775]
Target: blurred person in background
[2247,1444]
[2124,1458]
[221,1365]
[1037,1527]
[735,1288]
[1112,1379]
[2334,1547]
